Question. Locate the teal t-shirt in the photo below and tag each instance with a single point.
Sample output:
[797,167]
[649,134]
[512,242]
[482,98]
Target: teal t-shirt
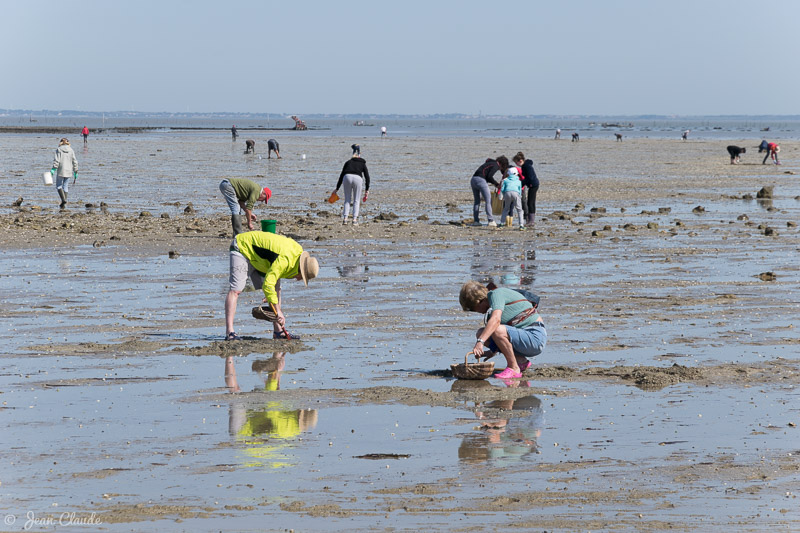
[502,298]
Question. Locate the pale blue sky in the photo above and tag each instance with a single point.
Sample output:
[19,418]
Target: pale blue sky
[684,57]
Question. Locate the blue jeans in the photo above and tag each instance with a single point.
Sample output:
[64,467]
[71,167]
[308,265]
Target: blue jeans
[229,193]
[527,342]
[480,187]
[62,183]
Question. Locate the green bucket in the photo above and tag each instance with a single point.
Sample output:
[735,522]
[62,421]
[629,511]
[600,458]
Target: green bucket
[269,225]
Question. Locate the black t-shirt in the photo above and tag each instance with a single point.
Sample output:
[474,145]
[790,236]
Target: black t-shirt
[488,170]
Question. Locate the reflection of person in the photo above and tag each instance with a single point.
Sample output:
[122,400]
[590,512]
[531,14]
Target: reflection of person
[242,194]
[272,146]
[512,189]
[531,183]
[354,177]
[85,133]
[65,166]
[273,368]
[265,258]
[772,150]
[479,183]
[266,432]
[511,437]
[514,327]
[735,152]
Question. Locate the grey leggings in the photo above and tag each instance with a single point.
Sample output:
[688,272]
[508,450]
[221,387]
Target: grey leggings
[480,187]
[352,184]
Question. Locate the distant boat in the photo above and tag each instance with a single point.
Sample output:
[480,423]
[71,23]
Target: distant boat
[361,123]
[765,129]
[615,125]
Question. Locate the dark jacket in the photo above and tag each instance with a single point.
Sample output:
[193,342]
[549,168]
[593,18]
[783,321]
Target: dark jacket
[529,178]
[357,166]
[488,170]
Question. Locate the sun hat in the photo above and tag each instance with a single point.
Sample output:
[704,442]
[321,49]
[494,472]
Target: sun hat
[309,267]
[267,194]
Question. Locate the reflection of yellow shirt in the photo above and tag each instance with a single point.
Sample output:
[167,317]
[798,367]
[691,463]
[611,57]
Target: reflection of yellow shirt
[283,425]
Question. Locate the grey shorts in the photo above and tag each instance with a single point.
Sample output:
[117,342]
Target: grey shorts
[240,270]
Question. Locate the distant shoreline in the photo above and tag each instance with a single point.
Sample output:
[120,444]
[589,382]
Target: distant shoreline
[132,129]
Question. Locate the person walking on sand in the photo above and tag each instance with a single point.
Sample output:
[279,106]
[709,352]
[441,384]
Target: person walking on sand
[272,146]
[558,133]
[513,326]
[685,135]
[266,258]
[772,151]
[354,177]
[479,183]
[735,152]
[234,134]
[242,195]
[531,183]
[65,166]
[85,133]
[511,187]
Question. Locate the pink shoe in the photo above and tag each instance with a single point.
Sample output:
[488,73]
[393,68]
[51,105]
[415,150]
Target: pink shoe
[508,373]
[524,366]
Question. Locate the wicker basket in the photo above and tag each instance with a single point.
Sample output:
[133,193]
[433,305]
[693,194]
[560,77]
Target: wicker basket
[264,314]
[468,370]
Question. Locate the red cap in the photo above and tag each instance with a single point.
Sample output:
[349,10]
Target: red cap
[267,194]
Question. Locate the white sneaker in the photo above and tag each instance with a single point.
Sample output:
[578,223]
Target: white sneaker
[492,224]
[355,222]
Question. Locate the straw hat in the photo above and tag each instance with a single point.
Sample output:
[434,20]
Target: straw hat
[309,267]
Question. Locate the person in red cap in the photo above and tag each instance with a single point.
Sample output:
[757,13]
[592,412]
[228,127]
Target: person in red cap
[242,194]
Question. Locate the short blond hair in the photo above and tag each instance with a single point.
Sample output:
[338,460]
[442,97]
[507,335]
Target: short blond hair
[472,293]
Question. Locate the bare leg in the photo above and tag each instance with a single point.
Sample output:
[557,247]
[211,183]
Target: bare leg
[500,338]
[230,310]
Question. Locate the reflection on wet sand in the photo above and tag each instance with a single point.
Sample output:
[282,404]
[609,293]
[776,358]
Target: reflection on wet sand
[505,439]
[266,433]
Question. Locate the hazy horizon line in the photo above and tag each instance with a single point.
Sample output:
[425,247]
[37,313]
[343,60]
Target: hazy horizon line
[79,113]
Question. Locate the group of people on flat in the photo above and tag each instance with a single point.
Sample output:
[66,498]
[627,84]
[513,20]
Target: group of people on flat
[771,150]
[517,187]
[264,257]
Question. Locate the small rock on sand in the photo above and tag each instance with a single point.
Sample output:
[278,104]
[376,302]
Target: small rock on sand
[699,209]
[767,276]
[173,254]
[17,202]
[765,192]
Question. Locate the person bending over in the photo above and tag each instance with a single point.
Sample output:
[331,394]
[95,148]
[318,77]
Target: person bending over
[514,326]
[265,258]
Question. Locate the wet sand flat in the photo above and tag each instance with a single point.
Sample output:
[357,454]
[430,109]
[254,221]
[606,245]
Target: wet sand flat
[665,399]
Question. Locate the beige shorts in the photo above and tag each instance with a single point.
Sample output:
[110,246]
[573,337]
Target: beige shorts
[240,270]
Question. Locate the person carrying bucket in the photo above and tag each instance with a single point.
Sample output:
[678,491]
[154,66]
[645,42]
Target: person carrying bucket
[65,166]
[242,194]
[354,177]
[265,258]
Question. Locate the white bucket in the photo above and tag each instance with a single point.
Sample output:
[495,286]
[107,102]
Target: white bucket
[48,178]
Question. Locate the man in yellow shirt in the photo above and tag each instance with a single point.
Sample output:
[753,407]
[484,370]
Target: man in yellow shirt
[265,258]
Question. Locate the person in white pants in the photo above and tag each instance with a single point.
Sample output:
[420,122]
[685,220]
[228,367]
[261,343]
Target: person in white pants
[354,177]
